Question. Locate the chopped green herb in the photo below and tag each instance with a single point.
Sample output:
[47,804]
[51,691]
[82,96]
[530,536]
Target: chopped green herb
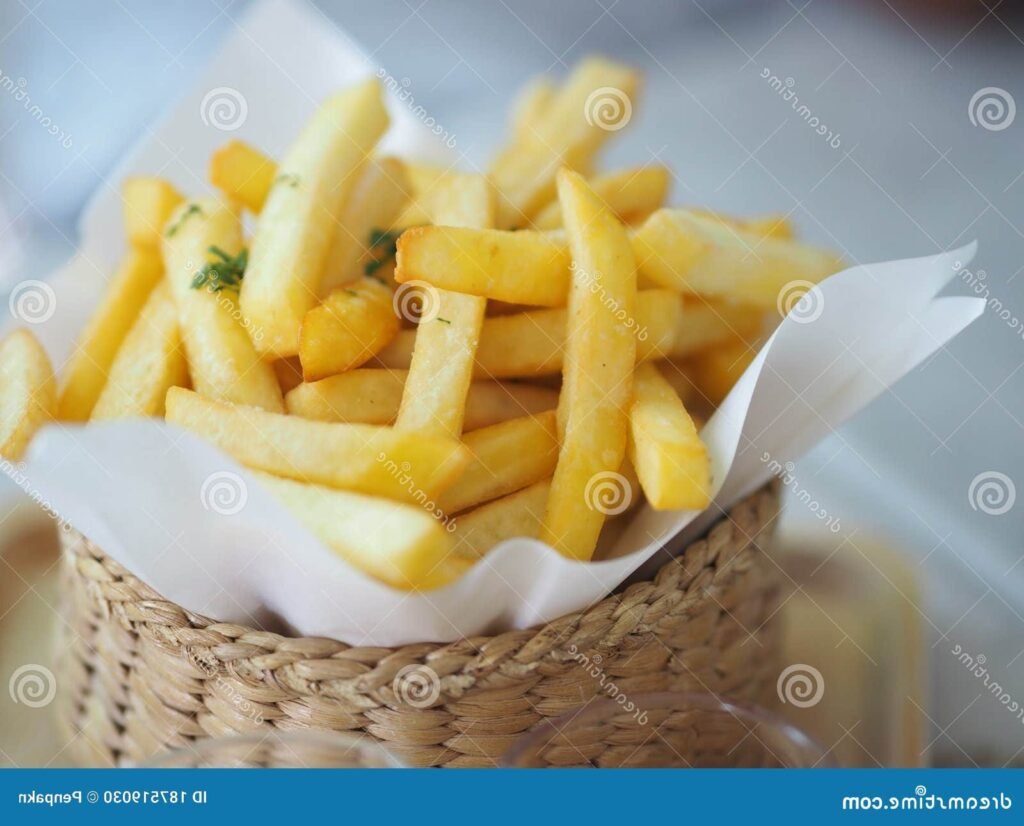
[443,320]
[384,245]
[190,210]
[351,292]
[225,273]
[288,179]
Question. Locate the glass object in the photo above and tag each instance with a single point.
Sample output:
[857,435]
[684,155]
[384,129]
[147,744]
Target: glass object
[667,730]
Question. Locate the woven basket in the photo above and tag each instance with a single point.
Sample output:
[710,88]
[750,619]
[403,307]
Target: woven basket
[141,674]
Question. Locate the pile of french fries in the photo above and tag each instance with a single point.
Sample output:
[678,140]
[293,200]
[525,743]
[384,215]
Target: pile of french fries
[420,362]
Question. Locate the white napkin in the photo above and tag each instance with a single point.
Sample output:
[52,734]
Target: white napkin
[195,526]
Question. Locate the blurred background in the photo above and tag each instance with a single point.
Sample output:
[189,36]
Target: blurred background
[925,152]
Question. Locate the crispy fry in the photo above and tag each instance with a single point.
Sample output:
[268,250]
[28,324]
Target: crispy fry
[529,108]
[684,251]
[597,95]
[372,396]
[376,200]
[296,227]
[243,174]
[532,344]
[766,226]
[406,467]
[519,514]
[716,369]
[28,392]
[519,267]
[443,357]
[706,323]
[222,360]
[86,370]
[506,457]
[151,360]
[668,455]
[632,194]
[597,377]
[350,327]
[148,203]
[397,544]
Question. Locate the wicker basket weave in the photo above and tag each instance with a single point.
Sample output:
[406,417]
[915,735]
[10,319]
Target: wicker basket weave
[141,674]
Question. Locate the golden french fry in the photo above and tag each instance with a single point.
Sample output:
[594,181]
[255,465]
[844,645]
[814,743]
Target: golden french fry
[529,108]
[204,260]
[519,514]
[148,203]
[766,226]
[519,267]
[706,323]
[716,369]
[297,224]
[151,360]
[595,101]
[370,396]
[670,460]
[350,327]
[28,392]
[632,194]
[407,467]
[597,377]
[444,354]
[375,201]
[684,251]
[532,344]
[400,545]
[97,345]
[425,180]
[506,457]
[243,174]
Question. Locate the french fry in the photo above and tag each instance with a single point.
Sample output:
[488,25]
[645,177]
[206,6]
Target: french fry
[202,248]
[148,203]
[532,344]
[407,467]
[400,545]
[151,360]
[86,371]
[444,354]
[506,457]
[28,392]
[716,369]
[706,323]
[297,223]
[597,377]
[598,94]
[529,108]
[425,180]
[519,267]
[631,194]
[371,396]
[375,201]
[350,327]
[243,174]
[519,514]
[670,460]
[766,226]
[692,253]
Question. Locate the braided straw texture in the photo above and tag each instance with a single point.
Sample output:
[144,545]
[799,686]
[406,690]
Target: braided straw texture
[142,674]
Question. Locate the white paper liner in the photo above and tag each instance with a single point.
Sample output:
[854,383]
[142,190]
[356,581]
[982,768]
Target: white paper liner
[196,527]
